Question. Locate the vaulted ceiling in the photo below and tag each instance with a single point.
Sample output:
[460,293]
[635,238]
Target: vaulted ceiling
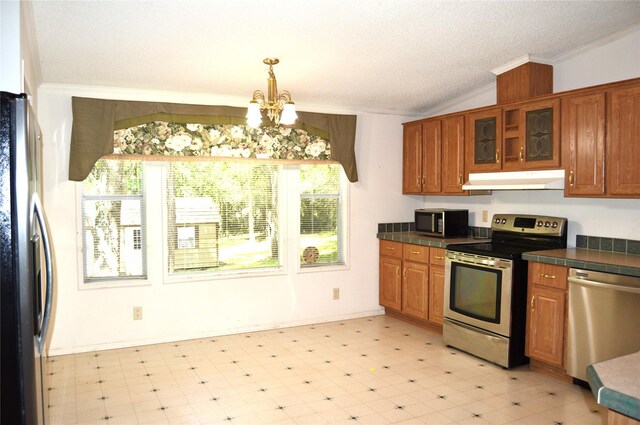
[401,56]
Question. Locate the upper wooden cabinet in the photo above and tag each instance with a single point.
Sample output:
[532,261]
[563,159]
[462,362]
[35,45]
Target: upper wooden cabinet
[592,133]
[412,158]
[623,150]
[484,141]
[521,137]
[453,154]
[531,137]
[583,135]
[433,156]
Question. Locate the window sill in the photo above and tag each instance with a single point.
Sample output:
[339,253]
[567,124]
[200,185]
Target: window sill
[231,274]
[322,268]
[115,283]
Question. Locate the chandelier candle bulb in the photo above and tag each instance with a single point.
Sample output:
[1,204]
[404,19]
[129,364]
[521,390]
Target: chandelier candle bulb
[274,103]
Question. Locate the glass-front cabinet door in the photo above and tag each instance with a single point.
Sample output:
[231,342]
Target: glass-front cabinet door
[532,135]
[484,135]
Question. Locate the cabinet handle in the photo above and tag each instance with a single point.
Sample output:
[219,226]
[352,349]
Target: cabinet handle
[418,181]
[521,154]
[533,297]
[437,257]
[404,273]
[571,178]
[459,179]
[548,276]
[398,273]
[422,181]
[497,156]
[390,248]
[415,252]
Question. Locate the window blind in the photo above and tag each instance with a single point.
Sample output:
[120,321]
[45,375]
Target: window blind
[113,224]
[222,216]
[320,215]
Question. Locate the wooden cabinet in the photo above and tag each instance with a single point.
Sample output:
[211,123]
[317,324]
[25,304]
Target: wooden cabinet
[433,156]
[531,135]
[583,135]
[390,269]
[546,314]
[412,283]
[623,150]
[453,154]
[412,158]
[436,285]
[415,280]
[520,137]
[484,141]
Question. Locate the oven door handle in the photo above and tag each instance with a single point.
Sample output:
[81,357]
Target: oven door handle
[480,262]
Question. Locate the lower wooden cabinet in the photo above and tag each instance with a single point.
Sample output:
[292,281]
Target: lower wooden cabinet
[412,283]
[390,278]
[547,315]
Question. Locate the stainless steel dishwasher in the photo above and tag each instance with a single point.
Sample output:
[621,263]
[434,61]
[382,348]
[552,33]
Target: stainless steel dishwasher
[604,318]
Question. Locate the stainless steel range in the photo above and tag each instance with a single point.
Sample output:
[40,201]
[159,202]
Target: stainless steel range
[486,287]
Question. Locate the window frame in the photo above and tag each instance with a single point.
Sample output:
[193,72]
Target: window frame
[154,197]
[113,281]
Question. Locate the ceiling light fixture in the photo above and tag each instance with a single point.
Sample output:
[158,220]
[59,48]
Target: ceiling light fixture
[274,103]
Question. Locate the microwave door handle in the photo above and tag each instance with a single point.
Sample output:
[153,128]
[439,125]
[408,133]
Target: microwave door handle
[433,223]
[37,209]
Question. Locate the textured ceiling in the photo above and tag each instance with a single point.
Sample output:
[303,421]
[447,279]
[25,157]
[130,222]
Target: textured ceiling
[377,55]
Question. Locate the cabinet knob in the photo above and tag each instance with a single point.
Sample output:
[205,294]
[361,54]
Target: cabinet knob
[571,178]
[521,154]
[497,156]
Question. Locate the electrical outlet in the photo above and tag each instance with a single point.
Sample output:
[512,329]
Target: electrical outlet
[485,216]
[137,312]
[336,293]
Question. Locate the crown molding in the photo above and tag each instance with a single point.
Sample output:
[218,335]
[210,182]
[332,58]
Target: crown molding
[521,61]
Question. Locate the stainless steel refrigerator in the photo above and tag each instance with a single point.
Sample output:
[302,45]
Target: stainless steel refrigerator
[26,267]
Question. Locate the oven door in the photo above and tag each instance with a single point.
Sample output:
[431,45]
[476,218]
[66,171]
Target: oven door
[478,291]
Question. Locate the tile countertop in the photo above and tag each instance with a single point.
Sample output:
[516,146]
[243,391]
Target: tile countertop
[418,239]
[600,261]
[616,384]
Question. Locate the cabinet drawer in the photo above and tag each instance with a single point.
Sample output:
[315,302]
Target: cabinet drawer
[548,275]
[390,248]
[436,256]
[416,253]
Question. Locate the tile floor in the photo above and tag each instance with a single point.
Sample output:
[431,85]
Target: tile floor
[374,370]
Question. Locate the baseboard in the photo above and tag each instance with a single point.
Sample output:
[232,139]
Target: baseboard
[52,352]
[435,328]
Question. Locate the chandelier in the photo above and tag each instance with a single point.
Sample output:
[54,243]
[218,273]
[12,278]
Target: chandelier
[274,103]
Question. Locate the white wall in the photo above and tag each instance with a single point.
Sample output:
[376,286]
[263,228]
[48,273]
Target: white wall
[18,51]
[88,319]
[612,59]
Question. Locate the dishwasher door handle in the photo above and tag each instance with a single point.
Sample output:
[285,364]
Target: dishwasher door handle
[623,288]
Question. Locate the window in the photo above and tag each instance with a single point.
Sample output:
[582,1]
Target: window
[113,221]
[222,216]
[321,236]
[207,218]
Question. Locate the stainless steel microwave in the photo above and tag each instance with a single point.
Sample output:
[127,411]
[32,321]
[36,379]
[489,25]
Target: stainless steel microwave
[442,223]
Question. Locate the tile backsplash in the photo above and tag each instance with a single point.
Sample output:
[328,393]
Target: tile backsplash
[478,232]
[598,243]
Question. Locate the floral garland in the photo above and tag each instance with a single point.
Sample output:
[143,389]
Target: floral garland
[227,140]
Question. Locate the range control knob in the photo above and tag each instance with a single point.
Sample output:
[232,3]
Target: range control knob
[540,223]
[554,224]
[497,220]
[504,221]
[547,224]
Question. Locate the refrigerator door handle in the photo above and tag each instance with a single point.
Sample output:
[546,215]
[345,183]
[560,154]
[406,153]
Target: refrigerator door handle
[38,211]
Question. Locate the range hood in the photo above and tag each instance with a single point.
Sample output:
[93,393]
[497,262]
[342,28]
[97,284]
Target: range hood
[516,180]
